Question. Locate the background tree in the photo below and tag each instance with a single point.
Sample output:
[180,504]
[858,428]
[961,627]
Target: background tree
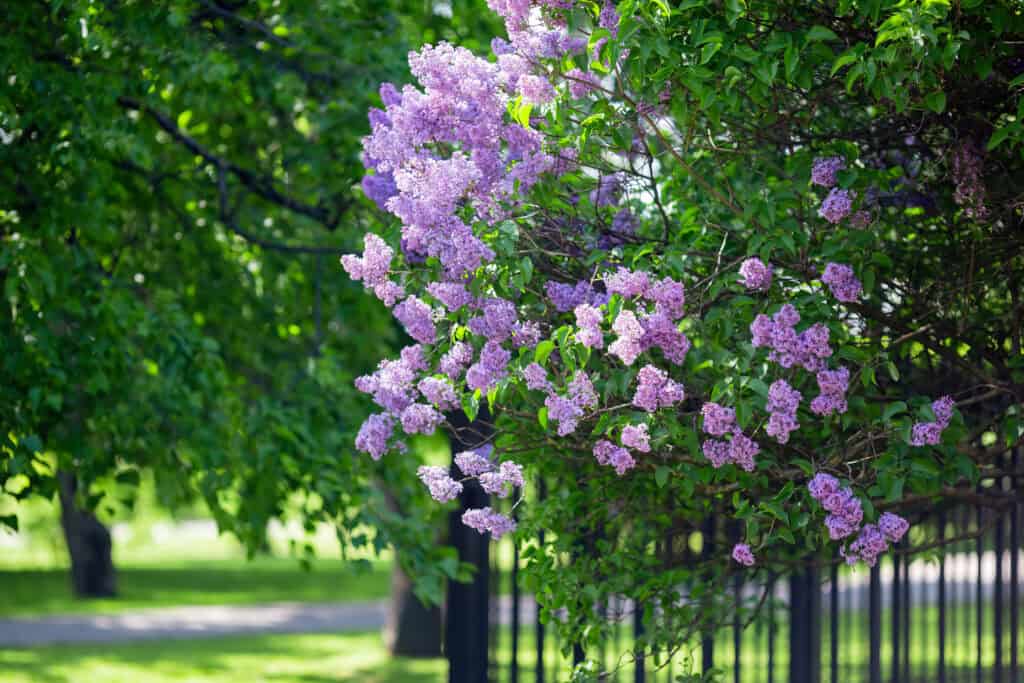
[179,180]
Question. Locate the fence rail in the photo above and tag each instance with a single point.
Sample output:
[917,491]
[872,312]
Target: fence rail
[950,614]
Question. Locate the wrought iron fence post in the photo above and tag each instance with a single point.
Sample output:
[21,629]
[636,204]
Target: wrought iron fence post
[805,626]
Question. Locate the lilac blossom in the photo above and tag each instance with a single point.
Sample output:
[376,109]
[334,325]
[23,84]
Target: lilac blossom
[783,401]
[841,281]
[475,462]
[374,434]
[588,320]
[487,520]
[930,433]
[742,554]
[628,344]
[418,319]
[756,274]
[536,378]
[441,486]
[893,526]
[655,390]
[833,385]
[836,205]
[508,476]
[439,392]
[824,170]
[636,437]
[420,418]
[718,420]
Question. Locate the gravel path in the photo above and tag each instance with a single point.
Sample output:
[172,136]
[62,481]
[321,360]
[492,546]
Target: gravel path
[192,622]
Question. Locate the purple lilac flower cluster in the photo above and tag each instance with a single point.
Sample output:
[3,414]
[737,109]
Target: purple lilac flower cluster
[808,349]
[373,268]
[441,486]
[837,205]
[846,515]
[783,401]
[656,390]
[874,539]
[844,508]
[637,437]
[824,170]
[618,457]
[756,274]
[738,450]
[841,281]
[833,385]
[742,553]
[657,329]
[930,433]
[567,410]
[485,520]
[567,297]
[718,420]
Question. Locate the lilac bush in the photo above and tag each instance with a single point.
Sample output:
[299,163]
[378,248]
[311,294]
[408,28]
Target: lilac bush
[663,334]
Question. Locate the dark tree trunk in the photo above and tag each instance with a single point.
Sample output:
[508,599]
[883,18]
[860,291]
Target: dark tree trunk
[89,545]
[467,610]
[412,628]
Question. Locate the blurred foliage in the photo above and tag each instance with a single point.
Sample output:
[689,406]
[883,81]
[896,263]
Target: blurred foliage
[178,180]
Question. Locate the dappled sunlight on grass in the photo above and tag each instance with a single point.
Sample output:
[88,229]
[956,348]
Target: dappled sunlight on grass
[268,659]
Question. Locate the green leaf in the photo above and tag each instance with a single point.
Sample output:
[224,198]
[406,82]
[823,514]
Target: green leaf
[821,33]
[893,409]
[544,349]
[661,476]
[936,101]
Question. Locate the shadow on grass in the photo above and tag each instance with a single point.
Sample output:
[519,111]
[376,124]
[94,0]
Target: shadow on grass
[228,582]
[271,659]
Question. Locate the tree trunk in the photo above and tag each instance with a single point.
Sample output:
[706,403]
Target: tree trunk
[467,614]
[412,628]
[89,545]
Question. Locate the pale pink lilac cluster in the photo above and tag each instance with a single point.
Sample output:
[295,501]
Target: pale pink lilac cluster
[756,274]
[783,402]
[842,282]
[930,433]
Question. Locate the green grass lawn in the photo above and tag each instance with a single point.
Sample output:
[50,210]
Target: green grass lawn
[203,582]
[266,659]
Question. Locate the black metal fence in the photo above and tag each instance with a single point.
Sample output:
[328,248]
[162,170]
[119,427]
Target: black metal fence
[946,612]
